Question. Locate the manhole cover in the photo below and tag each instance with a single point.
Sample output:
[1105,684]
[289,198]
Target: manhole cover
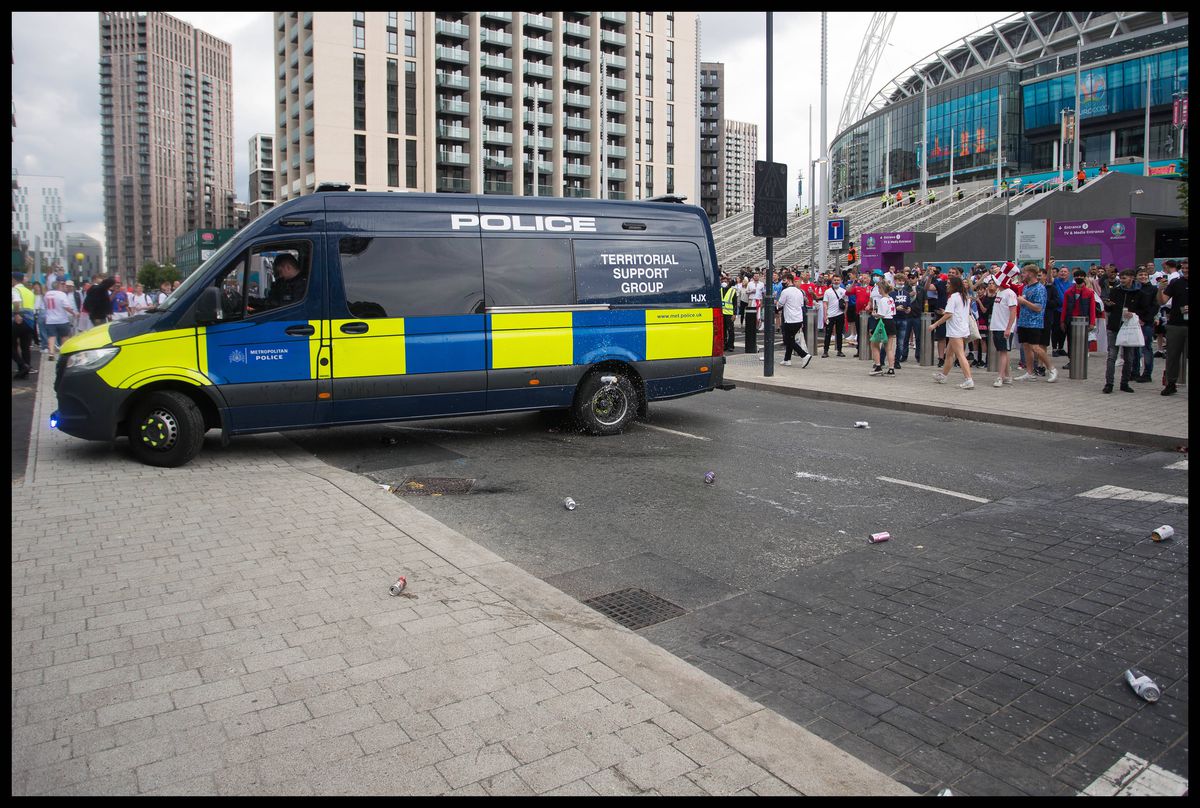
[634,608]
[434,486]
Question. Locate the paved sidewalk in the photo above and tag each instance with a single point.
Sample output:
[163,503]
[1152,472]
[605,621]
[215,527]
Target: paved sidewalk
[1071,407]
[226,628]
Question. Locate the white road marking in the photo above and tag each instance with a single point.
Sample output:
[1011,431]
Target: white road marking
[1181,465]
[804,475]
[676,432]
[1131,776]
[1116,492]
[818,426]
[936,490]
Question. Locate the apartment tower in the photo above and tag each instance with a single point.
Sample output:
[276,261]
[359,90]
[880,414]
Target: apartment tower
[737,168]
[166,102]
[597,104]
[712,139]
[261,197]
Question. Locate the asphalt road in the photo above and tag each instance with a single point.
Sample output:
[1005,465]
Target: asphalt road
[981,648]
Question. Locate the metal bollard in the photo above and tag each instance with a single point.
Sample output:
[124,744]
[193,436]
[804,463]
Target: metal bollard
[810,329]
[1079,347]
[864,337]
[927,358]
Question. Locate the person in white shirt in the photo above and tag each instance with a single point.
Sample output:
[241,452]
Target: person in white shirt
[753,301]
[834,304]
[791,303]
[883,308]
[60,312]
[139,301]
[1001,325]
[958,330]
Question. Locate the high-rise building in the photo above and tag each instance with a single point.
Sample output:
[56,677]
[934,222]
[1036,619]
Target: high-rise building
[37,220]
[737,168]
[465,101]
[712,139]
[92,251]
[262,174]
[166,101]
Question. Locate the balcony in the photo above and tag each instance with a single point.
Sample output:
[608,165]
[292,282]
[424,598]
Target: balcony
[577,29]
[618,129]
[497,137]
[451,28]
[452,54]
[577,100]
[538,21]
[612,37]
[613,105]
[453,106]
[539,69]
[577,147]
[577,76]
[582,124]
[497,187]
[615,194]
[572,52]
[497,111]
[453,157]
[613,16]
[497,87]
[615,174]
[497,162]
[614,83]
[580,193]
[454,185]
[308,46]
[495,62]
[537,45]
[544,167]
[616,151]
[496,37]
[499,16]
[540,93]
[453,132]
[542,119]
[614,60]
[543,144]
[455,80]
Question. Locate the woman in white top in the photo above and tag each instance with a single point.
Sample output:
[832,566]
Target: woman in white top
[958,330]
[39,312]
[883,308]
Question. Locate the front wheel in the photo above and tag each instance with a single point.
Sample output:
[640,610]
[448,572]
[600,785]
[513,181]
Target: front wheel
[166,429]
[605,403]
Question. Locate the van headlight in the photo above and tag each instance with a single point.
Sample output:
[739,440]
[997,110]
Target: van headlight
[91,360]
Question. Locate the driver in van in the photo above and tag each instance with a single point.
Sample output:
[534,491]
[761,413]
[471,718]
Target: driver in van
[288,286]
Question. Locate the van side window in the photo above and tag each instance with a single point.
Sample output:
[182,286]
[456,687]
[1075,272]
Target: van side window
[270,276]
[642,273]
[411,277]
[528,272]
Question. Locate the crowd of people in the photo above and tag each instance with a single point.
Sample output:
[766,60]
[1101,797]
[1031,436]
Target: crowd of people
[1134,315]
[50,314]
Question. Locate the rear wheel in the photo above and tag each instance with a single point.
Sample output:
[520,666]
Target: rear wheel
[605,403]
[166,429]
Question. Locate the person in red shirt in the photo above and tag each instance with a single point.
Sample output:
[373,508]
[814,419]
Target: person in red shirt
[1079,301]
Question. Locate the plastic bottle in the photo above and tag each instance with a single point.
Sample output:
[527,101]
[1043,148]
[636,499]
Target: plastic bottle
[1143,685]
[569,504]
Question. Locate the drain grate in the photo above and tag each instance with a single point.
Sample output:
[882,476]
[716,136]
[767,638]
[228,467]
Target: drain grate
[434,486]
[634,608]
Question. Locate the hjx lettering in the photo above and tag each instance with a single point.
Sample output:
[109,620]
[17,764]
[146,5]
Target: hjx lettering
[500,221]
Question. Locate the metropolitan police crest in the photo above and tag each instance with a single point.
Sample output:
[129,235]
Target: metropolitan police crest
[237,356]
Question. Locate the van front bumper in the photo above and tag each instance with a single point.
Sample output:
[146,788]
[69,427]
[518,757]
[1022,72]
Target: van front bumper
[87,407]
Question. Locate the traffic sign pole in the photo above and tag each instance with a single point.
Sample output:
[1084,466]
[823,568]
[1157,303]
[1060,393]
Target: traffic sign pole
[769,292]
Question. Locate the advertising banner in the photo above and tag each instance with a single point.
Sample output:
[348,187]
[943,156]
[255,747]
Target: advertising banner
[1115,237]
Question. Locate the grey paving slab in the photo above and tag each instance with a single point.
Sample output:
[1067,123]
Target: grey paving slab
[240,640]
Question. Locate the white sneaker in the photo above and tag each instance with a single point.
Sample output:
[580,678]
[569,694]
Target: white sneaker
[787,363]
[1008,380]
[1052,375]
[998,383]
[1026,377]
[939,377]
[969,384]
[804,362]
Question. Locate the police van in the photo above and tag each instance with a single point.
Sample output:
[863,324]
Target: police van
[351,308]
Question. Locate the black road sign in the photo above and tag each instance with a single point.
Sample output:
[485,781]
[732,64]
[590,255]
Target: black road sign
[770,199]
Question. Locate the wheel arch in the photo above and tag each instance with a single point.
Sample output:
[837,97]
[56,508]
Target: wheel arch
[204,397]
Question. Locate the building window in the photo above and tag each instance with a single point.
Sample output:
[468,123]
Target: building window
[393,42]
[649,22]
[410,45]
[649,180]
[391,21]
[410,98]
[410,22]
[670,180]
[393,162]
[360,159]
[393,97]
[360,91]
[670,31]
[410,163]
[360,29]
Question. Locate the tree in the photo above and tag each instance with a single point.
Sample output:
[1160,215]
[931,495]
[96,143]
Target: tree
[152,274]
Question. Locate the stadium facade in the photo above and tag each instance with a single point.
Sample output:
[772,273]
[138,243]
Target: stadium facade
[1009,84]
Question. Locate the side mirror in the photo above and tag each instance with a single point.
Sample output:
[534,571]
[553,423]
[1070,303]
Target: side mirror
[208,307]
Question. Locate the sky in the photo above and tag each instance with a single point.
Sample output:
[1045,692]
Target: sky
[56,101]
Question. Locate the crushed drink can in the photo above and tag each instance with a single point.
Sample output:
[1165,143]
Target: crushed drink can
[710,477]
[569,504]
[398,586]
[1143,685]
[876,538]
[1162,533]
[861,425]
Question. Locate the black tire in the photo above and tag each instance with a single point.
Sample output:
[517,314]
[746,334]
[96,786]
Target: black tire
[605,407]
[166,429]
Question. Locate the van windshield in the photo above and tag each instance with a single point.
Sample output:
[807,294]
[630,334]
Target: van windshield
[196,276]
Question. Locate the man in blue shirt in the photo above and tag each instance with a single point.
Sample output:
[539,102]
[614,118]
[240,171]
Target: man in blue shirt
[1031,325]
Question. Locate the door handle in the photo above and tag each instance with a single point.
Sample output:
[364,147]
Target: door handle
[354,328]
[300,330]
